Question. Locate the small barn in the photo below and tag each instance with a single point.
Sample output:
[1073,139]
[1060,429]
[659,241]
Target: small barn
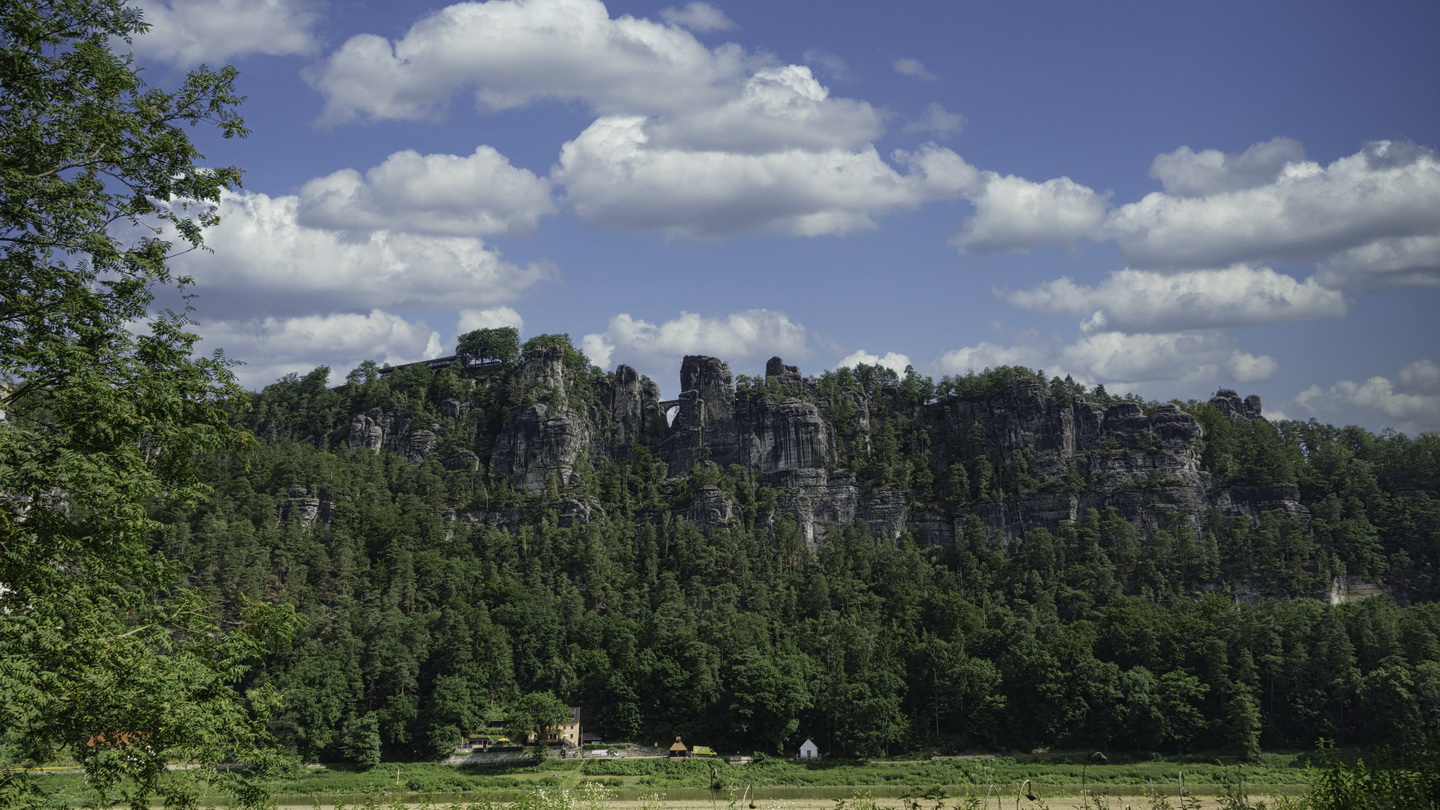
[808,750]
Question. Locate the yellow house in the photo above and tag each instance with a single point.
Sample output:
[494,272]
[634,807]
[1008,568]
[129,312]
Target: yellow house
[566,734]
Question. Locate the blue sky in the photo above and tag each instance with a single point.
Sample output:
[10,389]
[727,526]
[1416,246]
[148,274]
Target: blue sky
[1168,198]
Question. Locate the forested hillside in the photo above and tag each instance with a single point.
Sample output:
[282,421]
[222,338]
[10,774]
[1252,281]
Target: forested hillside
[881,562]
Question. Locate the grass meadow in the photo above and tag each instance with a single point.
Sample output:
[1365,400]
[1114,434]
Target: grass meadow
[1058,782]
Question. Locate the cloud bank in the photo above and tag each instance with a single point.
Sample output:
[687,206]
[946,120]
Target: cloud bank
[614,178]
[332,295]
[1409,403]
[1015,214]
[656,349]
[1132,300]
[510,53]
[273,347]
[477,195]
[1152,365]
[185,33]
[1378,199]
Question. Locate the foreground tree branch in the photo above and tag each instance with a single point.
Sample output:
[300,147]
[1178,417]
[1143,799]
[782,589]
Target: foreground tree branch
[105,654]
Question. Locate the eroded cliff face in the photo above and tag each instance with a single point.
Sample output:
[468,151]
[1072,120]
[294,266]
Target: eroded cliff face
[1147,466]
[635,410]
[553,429]
[545,440]
[396,433]
[1082,456]
[1060,456]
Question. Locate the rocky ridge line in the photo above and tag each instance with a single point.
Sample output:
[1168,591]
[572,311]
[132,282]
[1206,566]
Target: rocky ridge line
[1146,466]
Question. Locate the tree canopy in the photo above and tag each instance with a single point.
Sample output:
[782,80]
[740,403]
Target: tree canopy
[500,344]
[443,597]
[106,408]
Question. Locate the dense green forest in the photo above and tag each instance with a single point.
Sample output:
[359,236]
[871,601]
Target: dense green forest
[427,614]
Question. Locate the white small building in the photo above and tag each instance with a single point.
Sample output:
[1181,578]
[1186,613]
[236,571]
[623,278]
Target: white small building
[809,750]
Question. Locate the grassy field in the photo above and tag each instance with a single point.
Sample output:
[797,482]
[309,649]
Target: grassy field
[773,784]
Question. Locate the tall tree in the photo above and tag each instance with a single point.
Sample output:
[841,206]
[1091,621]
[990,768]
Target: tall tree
[536,714]
[480,345]
[105,408]
[767,695]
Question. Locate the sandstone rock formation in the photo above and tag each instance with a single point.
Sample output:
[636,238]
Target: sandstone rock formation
[297,505]
[393,432]
[1062,455]
[547,437]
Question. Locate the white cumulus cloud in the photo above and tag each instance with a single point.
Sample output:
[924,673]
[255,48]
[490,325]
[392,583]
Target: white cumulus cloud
[1368,221]
[778,109]
[1015,214]
[690,141]
[476,195]
[1421,376]
[1407,261]
[615,178]
[1147,364]
[739,336]
[265,260]
[186,33]
[512,52]
[492,318]
[1187,173]
[1186,358]
[1410,403]
[1036,353]
[272,347]
[1141,301]
[1344,212]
